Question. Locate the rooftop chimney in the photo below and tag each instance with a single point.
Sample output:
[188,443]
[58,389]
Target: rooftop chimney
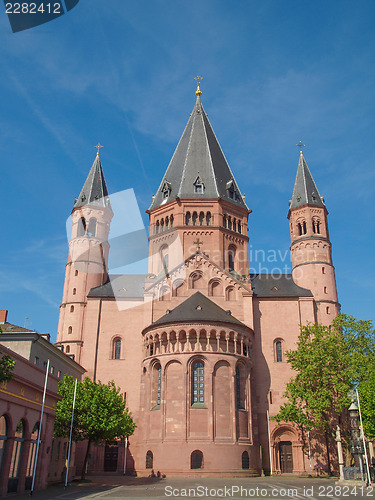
[3,316]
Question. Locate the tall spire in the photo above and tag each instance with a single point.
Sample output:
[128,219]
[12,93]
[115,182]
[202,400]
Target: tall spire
[198,168]
[305,191]
[94,190]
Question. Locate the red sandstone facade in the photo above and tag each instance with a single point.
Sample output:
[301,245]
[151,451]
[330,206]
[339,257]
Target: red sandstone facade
[197,344]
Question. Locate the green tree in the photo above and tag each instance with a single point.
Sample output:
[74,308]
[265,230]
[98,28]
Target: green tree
[329,361]
[7,365]
[100,413]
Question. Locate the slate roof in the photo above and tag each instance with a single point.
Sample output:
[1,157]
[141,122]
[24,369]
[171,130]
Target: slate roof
[305,191]
[94,190]
[277,285]
[198,159]
[121,286]
[198,308]
[10,328]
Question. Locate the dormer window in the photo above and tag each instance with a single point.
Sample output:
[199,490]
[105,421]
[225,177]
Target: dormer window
[166,189]
[231,190]
[198,186]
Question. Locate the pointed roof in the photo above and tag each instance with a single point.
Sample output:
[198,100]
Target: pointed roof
[198,308]
[198,168]
[305,191]
[94,190]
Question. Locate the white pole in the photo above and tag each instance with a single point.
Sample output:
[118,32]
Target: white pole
[269,441]
[125,452]
[40,429]
[363,438]
[308,436]
[70,436]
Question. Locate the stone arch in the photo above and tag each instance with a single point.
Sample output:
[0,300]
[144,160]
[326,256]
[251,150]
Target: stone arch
[196,280]
[230,293]
[215,288]
[178,288]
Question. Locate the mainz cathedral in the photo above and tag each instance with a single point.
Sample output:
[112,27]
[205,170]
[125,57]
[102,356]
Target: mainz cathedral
[198,344]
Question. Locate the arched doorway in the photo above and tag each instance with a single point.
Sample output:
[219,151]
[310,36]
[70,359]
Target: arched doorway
[286,456]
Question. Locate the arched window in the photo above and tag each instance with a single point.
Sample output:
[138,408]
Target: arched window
[149,460]
[164,257]
[3,437]
[178,288]
[208,218]
[316,226]
[92,227]
[325,289]
[323,270]
[239,227]
[201,218]
[187,218]
[196,280]
[67,350]
[197,385]
[116,349]
[194,218]
[278,351]
[327,309]
[76,272]
[225,221]
[229,222]
[166,222]
[15,464]
[230,293]
[240,392]
[231,257]
[196,460]
[70,329]
[215,288]
[245,460]
[156,386]
[81,230]
[72,309]
[157,227]
[171,219]
[162,225]
[304,227]
[74,291]
[31,457]
[299,225]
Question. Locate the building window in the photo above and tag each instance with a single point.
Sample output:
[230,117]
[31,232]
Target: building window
[32,451]
[59,374]
[116,352]
[72,309]
[194,218]
[187,218]
[36,361]
[156,386]
[231,257]
[316,226]
[239,227]
[208,218]
[81,227]
[201,219]
[70,329]
[52,370]
[239,390]
[149,460]
[196,460]
[198,382]
[67,349]
[230,222]
[323,270]
[15,464]
[3,437]
[44,365]
[198,186]
[92,227]
[225,221]
[76,273]
[327,309]
[245,460]
[74,291]
[279,351]
[325,289]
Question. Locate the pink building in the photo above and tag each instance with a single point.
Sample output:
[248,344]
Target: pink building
[198,343]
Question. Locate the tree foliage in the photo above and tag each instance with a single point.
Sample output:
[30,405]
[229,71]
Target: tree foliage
[100,412]
[7,365]
[328,362]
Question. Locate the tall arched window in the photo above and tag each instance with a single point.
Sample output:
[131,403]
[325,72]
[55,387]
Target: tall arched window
[231,257]
[229,222]
[15,464]
[279,351]
[156,386]
[197,385]
[31,457]
[201,218]
[187,218]
[157,227]
[239,227]
[116,349]
[194,218]
[245,460]
[149,460]
[3,437]
[171,219]
[92,227]
[164,257]
[196,460]
[70,329]
[81,229]
[240,392]
[225,221]
[208,218]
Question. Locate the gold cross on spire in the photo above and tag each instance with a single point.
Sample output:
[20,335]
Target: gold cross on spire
[300,145]
[198,92]
[198,243]
[98,146]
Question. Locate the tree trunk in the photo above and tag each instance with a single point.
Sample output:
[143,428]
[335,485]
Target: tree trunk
[83,473]
[328,457]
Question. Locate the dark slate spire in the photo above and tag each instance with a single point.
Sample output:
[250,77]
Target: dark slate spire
[94,190]
[305,191]
[198,168]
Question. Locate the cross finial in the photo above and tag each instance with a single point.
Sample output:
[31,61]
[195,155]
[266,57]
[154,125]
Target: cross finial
[198,243]
[98,146]
[198,92]
[300,145]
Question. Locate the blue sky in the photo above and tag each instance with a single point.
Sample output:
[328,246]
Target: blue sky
[122,72]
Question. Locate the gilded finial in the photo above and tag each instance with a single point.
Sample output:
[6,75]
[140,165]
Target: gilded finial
[300,145]
[98,146]
[198,92]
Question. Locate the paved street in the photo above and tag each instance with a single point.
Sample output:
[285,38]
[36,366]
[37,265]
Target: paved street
[117,487]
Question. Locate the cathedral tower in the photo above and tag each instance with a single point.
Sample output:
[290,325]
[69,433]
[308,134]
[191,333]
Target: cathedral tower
[199,200]
[88,257]
[310,244]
